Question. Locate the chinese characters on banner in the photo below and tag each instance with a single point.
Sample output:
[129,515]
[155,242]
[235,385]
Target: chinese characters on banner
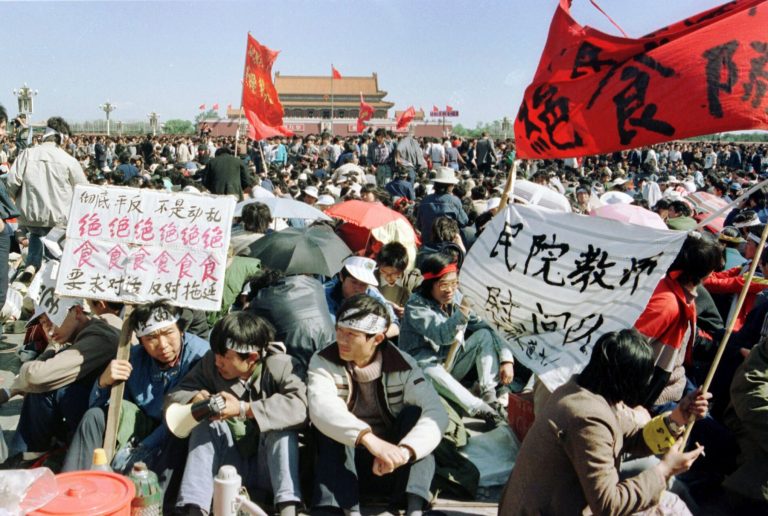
[552,283]
[138,246]
[594,93]
[42,292]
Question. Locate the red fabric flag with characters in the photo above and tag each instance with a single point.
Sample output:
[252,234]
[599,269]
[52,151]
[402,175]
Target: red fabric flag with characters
[595,93]
[405,117]
[260,102]
[366,113]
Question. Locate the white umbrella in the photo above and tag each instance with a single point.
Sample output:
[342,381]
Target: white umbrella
[616,197]
[281,207]
[539,195]
[259,192]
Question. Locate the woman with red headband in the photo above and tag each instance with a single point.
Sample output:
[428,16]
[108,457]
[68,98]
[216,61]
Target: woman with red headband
[436,318]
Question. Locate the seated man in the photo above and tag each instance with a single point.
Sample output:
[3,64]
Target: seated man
[378,420]
[155,367]
[58,383]
[257,430]
[437,320]
[357,277]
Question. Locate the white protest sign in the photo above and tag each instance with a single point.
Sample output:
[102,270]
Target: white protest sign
[42,292]
[552,283]
[140,245]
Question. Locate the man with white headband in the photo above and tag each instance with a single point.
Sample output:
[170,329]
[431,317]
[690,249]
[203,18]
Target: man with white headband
[58,382]
[42,180]
[378,419]
[165,356]
[257,431]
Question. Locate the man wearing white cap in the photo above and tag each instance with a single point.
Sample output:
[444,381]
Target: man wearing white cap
[58,383]
[165,356]
[310,195]
[357,277]
[377,418]
[440,203]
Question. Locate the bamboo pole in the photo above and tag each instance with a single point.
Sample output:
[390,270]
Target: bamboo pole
[117,390]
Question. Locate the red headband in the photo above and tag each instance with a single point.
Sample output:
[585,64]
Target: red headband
[451,267]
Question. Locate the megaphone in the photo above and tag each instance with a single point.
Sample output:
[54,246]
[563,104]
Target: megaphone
[182,418]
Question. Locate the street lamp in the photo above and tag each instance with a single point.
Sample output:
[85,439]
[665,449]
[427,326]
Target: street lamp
[25,96]
[505,126]
[107,107]
[153,122]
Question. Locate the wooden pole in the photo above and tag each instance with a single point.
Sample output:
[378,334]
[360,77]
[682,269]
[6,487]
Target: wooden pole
[242,91]
[731,323]
[509,187]
[116,393]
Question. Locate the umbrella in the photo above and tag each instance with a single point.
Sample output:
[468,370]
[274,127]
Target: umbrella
[259,192]
[364,214]
[313,250]
[539,195]
[281,207]
[349,169]
[706,202]
[631,214]
[615,197]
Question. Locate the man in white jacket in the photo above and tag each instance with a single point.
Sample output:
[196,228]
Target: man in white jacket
[42,180]
[378,419]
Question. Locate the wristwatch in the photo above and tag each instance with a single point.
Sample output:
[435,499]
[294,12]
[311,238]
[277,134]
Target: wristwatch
[243,409]
[673,427]
[406,453]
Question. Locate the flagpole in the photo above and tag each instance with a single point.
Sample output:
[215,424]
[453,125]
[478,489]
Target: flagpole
[242,92]
[332,79]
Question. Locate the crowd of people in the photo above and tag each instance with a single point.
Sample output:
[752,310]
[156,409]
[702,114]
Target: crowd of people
[336,388]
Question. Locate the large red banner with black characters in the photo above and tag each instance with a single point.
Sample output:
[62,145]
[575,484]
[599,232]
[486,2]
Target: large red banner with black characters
[595,93]
[260,102]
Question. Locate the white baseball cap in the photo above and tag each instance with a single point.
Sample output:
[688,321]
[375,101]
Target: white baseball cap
[325,200]
[361,268]
[311,191]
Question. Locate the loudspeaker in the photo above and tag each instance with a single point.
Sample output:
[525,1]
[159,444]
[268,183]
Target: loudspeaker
[181,419]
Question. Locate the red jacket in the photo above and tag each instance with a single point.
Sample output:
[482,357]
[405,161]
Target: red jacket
[731,282]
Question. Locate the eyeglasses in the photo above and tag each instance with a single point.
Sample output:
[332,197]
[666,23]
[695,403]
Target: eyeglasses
[448,286]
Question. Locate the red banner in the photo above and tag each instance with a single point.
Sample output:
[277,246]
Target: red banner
[260,101]
[366,113]
[335,73]
[595,93]
[405,118]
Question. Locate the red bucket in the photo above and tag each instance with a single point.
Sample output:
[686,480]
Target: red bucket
[91,493]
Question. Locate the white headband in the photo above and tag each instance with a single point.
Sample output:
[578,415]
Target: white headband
[370,324]
[159,318]
[239,347]
[52,132]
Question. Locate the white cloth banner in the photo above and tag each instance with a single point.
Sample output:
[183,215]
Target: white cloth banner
[140,245]
[42,292]
[552,283]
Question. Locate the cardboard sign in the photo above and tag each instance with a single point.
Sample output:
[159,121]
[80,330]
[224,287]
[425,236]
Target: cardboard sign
[139,245]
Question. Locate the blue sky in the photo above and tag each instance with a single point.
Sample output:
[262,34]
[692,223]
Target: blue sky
[172,56]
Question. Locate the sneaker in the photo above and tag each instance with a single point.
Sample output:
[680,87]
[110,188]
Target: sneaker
[27,275]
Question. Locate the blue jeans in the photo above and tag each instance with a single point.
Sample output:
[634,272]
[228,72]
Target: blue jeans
[343,472]
[36,247]
[275,465]
[50,414]
[5,248]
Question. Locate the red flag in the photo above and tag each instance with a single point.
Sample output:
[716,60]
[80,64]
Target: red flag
[405,117]
[366,113]
[435,108]
[202,107]
[258,130]
[594,93]
[335,73]
[448,108]
[260,102]
[215,107]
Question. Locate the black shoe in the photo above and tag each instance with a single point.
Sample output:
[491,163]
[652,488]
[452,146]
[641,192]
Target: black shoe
[189,510]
